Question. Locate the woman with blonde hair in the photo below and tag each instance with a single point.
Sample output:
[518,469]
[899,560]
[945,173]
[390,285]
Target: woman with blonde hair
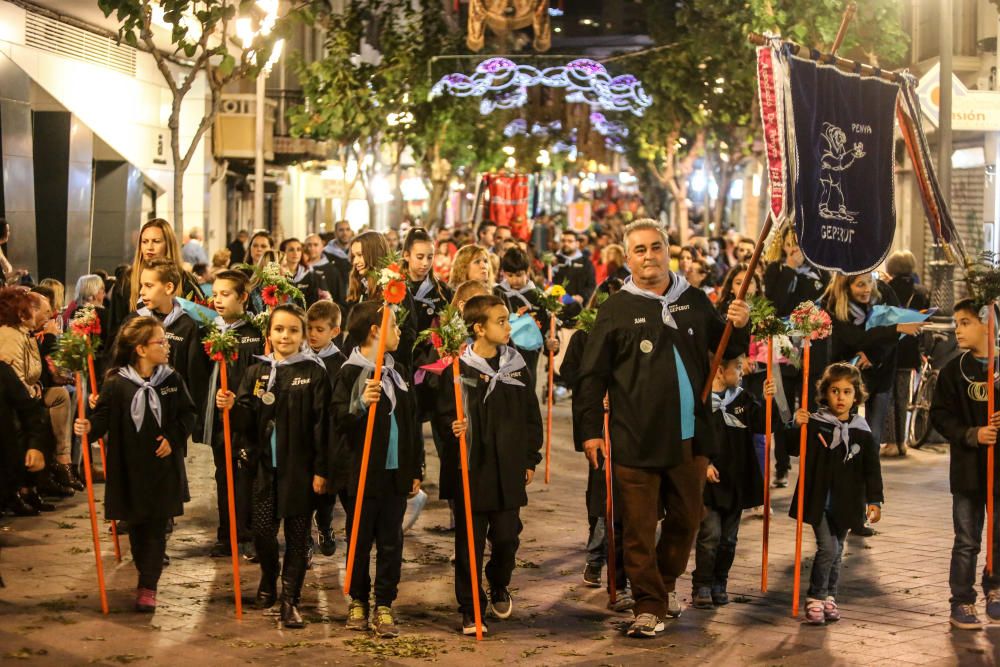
[471,262]
[156,241]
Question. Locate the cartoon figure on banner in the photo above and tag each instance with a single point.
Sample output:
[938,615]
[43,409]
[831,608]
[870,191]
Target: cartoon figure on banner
[836,159]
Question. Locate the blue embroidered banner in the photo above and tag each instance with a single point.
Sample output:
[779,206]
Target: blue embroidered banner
[843,187]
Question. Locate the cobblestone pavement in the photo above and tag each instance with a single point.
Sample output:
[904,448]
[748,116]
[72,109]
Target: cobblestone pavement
[894,592]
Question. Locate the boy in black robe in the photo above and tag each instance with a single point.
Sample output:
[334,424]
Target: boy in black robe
[503,428]
[959,413]
[735,483]
[395,464]
[521,295]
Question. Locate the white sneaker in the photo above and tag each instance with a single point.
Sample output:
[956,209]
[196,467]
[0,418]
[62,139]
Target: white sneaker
[673,605]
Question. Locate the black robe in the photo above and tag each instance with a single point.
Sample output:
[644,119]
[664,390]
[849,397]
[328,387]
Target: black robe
[335,284]
[504,439]
[878,343]
[915,297]
[642,386]
[351,421]
[407,332]
[541,317]
[424,317]
[847,487]
[310,284]
[957,417]
[140,486]
[786,292]
[119,306]
[251,343]
[741,481]
[301,415]
[25,424]
[570,373]
[578,275]
[336,469]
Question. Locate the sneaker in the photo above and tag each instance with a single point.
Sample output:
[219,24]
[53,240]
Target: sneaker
[592,576]
[780,481]
[469,624]
[673,605]
[327,543]
[830,611]
[963,617]
[385,623]
[248,551]
[645,625]
[720,596]
[623,601]
[814,612]
[145,600]
[560,393]
[701,598]
[219,550]
[993,606]
[501,604]
[357,616]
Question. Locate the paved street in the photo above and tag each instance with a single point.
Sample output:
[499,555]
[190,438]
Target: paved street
[894,595]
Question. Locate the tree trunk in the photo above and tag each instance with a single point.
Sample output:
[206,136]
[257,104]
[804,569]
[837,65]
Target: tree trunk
[178,200]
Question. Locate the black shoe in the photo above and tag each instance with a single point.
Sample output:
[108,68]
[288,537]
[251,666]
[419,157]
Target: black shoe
[35,500]
[267,595]
[18,507]
[290,616]
[864,531]
[63,474]
[469,624]
[501,605]
[327,543]
[47,485]
[220,550]
[592,575]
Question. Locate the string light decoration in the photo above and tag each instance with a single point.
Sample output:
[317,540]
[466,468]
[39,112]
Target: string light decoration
[503,84]
[520,126]
[607,128]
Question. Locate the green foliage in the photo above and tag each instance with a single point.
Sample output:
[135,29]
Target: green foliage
[764,320]
[450,333]
[983,279]
[588,316]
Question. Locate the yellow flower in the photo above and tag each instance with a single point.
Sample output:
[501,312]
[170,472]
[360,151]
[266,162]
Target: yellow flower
[558,291]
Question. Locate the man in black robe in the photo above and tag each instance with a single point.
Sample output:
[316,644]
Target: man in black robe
[649,353]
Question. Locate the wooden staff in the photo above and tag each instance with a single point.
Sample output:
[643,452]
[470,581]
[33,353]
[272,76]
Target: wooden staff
[609,514]
[767,467]
[366,451]
[85,445]
[469,529]
[228,441]
[104,459]
[990,451]
[740,296]
[803,431]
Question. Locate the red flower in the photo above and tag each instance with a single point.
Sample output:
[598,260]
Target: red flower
[217,356]
[394,267]
[234,355]
[395,291]
[270,295]
[436,341]
[208,348]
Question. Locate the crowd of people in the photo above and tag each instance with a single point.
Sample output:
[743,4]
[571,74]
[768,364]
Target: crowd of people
[639,321]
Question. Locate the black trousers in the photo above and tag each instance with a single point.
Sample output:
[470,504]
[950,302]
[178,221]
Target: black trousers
[503,529]
[242,492]
[323,503]
[265,537]
[382,526]
[149,543]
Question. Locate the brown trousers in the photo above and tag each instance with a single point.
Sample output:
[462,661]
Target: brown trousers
[646,493]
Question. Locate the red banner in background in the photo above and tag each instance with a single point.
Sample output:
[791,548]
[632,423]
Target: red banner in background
[509,202]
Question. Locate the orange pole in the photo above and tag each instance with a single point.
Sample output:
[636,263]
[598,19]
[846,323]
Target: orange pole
[233,541]
[609,515]
[803,430]
[469,530]
[366,452]
[81,413]
[767,468]
[990,451]
[548,419]
[104,460]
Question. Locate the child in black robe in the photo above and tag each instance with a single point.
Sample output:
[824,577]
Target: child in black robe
[146,415]
[282,412]
[843,481]
[735,482]
[521,297]
[503,428]
[395,464]
[230,291]
[323,321]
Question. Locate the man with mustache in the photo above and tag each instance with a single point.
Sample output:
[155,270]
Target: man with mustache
[649,353]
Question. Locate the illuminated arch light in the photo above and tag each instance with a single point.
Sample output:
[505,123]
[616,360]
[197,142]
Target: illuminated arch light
[607,128]
[503,84]
[516,127]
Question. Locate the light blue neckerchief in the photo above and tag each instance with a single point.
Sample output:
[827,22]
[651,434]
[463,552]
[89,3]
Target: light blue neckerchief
[842,431]
[518,293]
[171,317]
[510,361]
[391,380]
[720,402]
[678,284]
[426,287]
[147,394]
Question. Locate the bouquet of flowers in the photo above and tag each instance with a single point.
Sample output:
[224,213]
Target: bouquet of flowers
[553,298]
[76,344]
[588,316]
[275,286]
[220,345]
[389,277]
[450,333]
[810,321]
[763,320]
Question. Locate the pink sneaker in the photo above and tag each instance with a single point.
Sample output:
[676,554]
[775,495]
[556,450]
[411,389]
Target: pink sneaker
[814,612]
[145,600]
[830,611]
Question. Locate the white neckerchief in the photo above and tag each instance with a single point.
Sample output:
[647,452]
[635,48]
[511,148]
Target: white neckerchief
[287,361]
[842,431]
[391,379]
[426,287]
[300,273]
[804,271]
[171,317]
[512,293]
[147,394]
[322,261]
[510,361]
[328,351]
[721,403]
[858,313]
[334,249]
[678,284]
[567,259]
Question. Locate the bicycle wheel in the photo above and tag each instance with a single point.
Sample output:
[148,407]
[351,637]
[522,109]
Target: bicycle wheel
[920,415]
